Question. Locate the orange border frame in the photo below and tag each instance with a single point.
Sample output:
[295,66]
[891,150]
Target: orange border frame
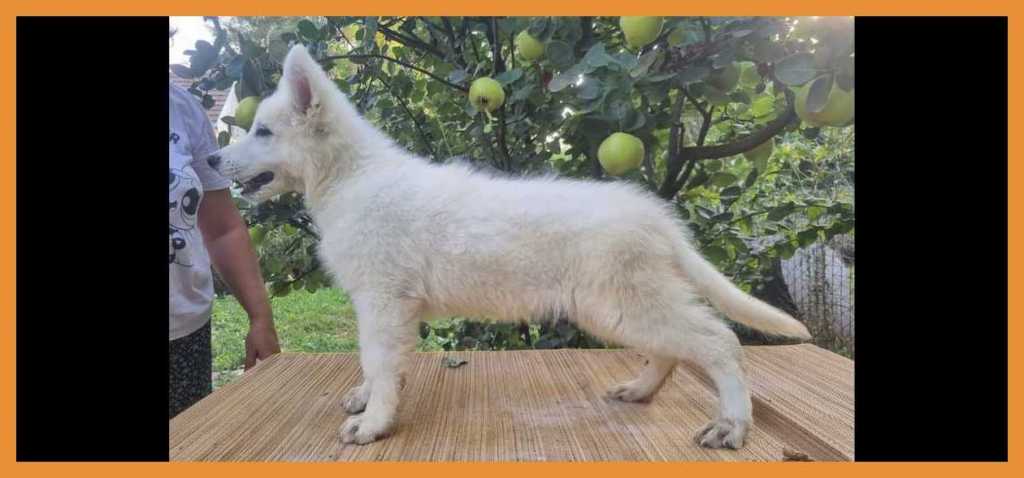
[11,9]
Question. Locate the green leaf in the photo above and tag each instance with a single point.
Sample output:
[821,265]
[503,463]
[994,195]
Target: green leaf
[731,192]
[814,212]
[457,76]
[780,212]
[698,179]
[796,69]
[692,74]
[723,217]
[767,51]
[807,237]
[785,249]
[658,78]
[751,178]
[644,64]
[564,79]
[817,98]
[716,254]
[705,212]
[591,88]
[597,57]
[559,53]
[715,96]
[723,58]
[839,228]
[508,77]
[539,28]
[308,30]
[223,138]
[370,32]
[522,93]
[723,179]
[762,106]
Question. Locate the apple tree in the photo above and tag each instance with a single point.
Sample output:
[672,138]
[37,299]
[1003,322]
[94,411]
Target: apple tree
[743,123]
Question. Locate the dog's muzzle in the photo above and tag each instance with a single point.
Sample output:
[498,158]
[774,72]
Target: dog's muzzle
[213,161]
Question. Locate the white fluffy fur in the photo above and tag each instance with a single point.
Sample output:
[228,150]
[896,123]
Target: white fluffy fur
[410,240]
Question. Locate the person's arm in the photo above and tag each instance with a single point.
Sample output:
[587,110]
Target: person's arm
[227,240]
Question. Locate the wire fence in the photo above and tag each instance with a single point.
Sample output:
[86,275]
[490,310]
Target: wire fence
[820,279]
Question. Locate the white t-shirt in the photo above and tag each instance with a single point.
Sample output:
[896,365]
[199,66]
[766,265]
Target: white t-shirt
[191,142]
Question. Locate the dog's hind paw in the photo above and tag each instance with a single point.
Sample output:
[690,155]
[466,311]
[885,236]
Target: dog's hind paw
[723,433]
[360,430]
[355,399]
[629,392]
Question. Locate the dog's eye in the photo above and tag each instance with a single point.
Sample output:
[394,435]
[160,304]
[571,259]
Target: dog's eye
[263,131]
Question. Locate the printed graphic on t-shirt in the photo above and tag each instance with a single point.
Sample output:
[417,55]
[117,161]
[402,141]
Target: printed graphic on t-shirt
[185,195]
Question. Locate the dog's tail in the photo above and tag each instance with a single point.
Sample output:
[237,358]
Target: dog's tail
[735,303]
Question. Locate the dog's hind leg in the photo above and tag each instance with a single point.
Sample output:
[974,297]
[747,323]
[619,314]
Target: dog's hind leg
[651,378]
[664,321]
[387,338]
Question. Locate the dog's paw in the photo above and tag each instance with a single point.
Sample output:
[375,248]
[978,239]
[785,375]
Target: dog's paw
[629,392]
[723,433]
[360,430]
[355,399]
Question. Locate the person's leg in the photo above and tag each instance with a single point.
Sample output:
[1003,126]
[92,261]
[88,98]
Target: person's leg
[190,366]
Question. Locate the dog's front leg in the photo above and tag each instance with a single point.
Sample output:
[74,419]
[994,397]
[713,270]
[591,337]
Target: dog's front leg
[387,338]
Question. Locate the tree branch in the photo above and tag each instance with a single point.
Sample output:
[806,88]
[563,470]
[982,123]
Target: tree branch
[400,62]
[748,142]
[416,122]
[411,41]
[456,45]
[499,67]
[673,161]
[587,27]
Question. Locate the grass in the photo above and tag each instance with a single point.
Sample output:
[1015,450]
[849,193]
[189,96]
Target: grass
[322,321]
[306,322]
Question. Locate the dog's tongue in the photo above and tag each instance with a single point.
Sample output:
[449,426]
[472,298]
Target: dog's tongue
[262,178]
[256,182]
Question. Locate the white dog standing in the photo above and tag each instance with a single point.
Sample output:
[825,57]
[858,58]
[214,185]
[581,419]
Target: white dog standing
[409,240]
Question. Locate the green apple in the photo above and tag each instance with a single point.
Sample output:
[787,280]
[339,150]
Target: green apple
[724,79]
[486,94]
[749,76]
[761,152]
[800,105]
[640,31]
[529,47]
[620,153]
[838,110]
[245,112]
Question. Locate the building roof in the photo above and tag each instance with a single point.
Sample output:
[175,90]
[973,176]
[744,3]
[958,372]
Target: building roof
[529,405]
[219,96]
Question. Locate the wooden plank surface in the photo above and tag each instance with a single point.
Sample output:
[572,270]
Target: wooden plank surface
[522,406]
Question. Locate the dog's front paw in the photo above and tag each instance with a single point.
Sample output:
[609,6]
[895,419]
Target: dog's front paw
[723,433]
[361,429]
[355,399]
[629,392]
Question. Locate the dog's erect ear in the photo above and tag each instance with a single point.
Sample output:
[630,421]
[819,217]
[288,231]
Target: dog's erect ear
[304,79]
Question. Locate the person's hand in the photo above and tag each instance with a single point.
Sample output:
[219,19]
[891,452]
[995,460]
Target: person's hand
[261,342]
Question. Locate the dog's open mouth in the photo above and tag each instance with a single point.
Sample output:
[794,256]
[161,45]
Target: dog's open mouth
[254,183]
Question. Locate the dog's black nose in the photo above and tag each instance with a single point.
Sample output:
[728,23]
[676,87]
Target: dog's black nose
[213,160]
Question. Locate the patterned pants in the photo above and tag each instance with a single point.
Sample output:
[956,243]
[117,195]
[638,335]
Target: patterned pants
[190,369]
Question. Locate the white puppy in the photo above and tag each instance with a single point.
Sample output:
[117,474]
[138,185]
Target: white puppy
[409,240]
